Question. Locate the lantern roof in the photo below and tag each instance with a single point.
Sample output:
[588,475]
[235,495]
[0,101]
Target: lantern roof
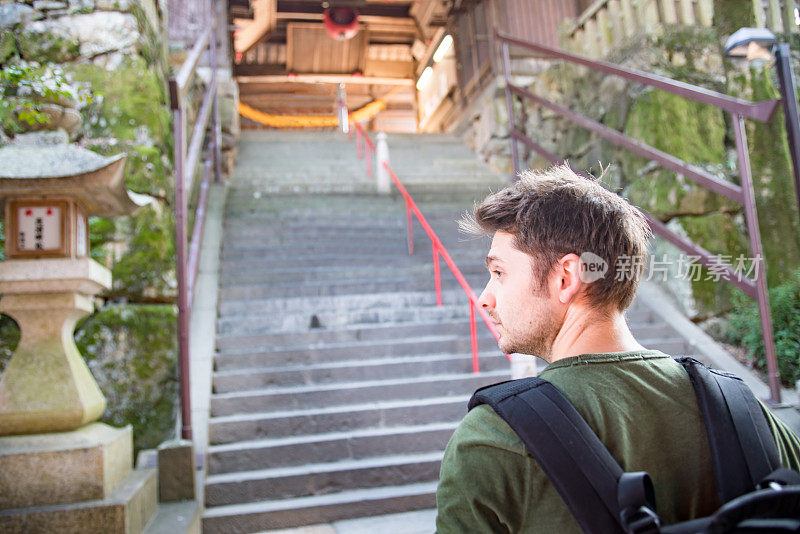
[96,182]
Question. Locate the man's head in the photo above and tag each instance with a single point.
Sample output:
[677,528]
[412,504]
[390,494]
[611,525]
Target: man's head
[552,231]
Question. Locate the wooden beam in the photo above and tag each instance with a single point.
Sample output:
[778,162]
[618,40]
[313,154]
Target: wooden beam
[325,78]
[263,22]
[373,22]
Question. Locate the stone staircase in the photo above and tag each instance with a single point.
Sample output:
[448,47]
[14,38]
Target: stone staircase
[338,381]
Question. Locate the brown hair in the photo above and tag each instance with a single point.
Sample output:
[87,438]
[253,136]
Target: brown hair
[556,212]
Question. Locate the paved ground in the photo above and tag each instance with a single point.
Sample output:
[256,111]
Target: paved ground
[422,522]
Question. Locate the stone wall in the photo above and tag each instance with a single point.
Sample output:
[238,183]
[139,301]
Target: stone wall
[697,133]
[118,50]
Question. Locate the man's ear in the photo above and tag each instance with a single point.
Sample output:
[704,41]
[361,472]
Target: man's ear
[567,278]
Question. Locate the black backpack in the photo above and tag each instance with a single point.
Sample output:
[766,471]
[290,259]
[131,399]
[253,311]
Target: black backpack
[758,495]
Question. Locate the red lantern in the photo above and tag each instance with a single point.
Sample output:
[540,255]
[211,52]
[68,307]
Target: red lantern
[340,22]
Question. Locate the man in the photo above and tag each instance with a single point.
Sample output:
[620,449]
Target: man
[546,229]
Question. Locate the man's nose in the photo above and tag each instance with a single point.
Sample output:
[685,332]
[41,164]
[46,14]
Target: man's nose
[486,300]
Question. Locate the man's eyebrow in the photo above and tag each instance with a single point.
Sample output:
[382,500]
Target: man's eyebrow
[490,259]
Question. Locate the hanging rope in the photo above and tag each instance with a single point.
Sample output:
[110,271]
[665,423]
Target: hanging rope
[314,121]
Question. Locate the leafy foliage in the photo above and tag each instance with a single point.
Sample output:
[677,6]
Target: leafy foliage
[132,353]
[25,87]
[745,329]
[146,271]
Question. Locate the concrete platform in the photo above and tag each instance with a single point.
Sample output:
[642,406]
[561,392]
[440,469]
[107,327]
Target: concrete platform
[421,522]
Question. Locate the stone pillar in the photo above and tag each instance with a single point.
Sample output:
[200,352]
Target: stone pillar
[47,386]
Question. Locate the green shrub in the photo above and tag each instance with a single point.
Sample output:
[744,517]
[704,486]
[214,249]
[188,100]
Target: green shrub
[745,329]
[132,353]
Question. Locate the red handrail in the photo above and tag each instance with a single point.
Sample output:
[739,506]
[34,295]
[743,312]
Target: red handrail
[438,250]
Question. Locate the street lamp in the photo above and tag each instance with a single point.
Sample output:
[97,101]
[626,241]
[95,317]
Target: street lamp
[761,44]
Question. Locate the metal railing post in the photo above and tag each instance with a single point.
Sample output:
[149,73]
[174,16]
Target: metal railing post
[369,161]
[510,107]
[182,272]
[217,127]
[760,274]
[436,275]
[790,113]
[383,182]
[359,141]
[409,230]
[473,336]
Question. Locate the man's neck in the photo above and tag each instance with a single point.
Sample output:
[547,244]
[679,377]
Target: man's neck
[587,331]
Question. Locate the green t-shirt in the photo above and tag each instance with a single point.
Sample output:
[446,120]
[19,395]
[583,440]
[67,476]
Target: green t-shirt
[641,405]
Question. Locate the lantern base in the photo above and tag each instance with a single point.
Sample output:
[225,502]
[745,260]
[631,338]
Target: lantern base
[83,465]
[75,482]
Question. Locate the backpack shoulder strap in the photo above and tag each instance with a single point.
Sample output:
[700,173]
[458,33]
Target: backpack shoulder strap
[743,450]
[569,452]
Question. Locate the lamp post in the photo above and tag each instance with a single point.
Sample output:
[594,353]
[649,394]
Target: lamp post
[754,44]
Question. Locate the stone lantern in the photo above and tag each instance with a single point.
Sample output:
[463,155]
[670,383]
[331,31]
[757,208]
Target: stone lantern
[47,191]
[60,470]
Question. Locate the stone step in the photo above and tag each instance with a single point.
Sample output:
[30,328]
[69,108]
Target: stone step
[240,427]
[321,478]
[379,251]
[319,260]
[349,351]
[176,518]
[334,317]
[295,245]
[294,322]
[268,515]
[343,287]
[383,331]
[340,303]
[320,396]
[385,213]
[292,241]
[361,333]
[341,273]
[365,369]
[329,447]
[294,187]
[311,305]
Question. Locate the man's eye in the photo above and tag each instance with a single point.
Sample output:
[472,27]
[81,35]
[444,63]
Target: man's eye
[498,274]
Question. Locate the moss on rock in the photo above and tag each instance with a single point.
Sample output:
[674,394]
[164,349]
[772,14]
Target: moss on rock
[47,47]
[722,234]
[132,353]
[688,130]
[730,15]
[773,184]
[9,339]
[8,47]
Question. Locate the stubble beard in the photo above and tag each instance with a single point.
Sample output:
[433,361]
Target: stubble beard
[535,338]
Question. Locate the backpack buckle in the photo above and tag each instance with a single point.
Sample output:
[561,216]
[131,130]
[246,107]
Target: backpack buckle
[637,501]
[640,520]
